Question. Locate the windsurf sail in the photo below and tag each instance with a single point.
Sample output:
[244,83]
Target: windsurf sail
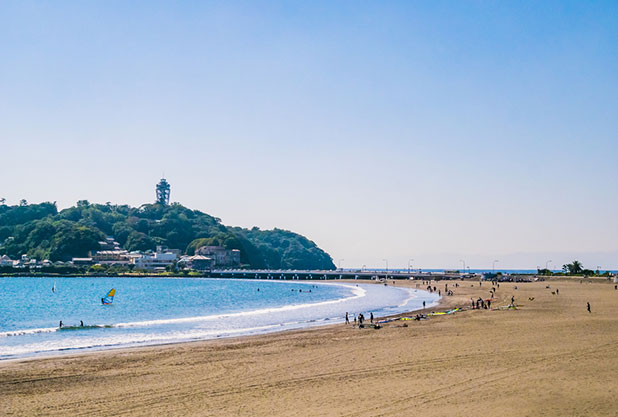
[54,287]
[109,298]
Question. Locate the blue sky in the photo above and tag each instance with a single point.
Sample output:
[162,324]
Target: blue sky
[437,131]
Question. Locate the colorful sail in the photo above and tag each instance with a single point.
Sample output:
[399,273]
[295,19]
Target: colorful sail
[109,298]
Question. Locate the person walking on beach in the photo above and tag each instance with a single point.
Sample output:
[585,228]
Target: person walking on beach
[371,317]
[557,291]
[588,307]
[423,304]
[347,318]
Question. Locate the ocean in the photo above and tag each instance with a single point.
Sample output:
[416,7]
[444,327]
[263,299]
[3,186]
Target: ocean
[148,311]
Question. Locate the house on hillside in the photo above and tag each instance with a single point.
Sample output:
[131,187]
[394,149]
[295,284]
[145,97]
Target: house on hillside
[221,256]
[5,261]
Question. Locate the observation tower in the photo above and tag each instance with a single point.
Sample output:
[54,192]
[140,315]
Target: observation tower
[163,192]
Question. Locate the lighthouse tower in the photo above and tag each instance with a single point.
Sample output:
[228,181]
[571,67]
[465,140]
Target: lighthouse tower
[163,192]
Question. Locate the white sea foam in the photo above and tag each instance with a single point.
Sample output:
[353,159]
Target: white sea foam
[357,291]
[74,343]
[28,331]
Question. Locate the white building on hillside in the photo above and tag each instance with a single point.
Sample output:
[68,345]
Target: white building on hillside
[156,261]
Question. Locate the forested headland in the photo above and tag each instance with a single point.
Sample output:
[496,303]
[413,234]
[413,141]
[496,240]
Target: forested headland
[43,232]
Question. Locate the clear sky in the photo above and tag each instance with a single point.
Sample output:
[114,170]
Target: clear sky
[439,130]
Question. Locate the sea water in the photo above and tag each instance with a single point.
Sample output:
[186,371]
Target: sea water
[148,311]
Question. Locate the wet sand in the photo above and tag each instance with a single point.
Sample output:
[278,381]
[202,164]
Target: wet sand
[548,358]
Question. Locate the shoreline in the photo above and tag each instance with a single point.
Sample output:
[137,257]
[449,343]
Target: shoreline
[549,357]
[307,326]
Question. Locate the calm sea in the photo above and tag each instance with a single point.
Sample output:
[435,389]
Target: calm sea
[148,311]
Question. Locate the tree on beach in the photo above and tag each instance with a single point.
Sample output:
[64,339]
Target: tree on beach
[573,268]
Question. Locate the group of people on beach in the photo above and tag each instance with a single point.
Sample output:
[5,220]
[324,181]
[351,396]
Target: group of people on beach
[360,319]
[480,304]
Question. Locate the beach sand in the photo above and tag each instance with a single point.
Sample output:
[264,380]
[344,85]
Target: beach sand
[548,358]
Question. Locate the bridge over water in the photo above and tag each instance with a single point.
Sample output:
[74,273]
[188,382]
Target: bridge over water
[330,275]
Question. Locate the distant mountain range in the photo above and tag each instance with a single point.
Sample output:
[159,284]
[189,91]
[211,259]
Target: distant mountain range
[43,232]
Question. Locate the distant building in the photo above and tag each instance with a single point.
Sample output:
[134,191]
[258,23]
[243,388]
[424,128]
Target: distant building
[109,244]
[221,257]
[82,261]
[197,262]
[5,261]
[163,192]
[111,257]
[161,248]
[110,254]
[156,261]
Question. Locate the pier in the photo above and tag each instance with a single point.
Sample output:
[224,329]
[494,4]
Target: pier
[333,275]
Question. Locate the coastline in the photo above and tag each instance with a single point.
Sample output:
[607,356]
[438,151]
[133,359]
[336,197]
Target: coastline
[231,333]
[439,366]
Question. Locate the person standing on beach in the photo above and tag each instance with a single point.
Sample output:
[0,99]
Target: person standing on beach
[588,307]
[371,317]
[347,318]
[557,291]
[423,304]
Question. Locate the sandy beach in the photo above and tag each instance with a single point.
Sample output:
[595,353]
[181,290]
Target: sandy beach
[550,357]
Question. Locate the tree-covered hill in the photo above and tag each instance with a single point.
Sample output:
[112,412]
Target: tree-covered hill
[42,232]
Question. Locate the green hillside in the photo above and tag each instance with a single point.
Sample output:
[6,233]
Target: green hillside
[42,232]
